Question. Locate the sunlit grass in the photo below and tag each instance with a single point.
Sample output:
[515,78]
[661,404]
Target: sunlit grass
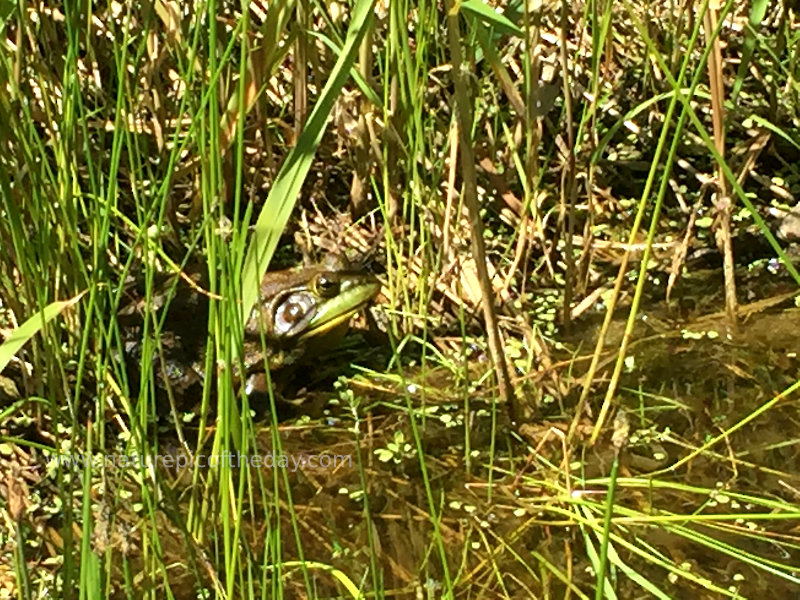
[163,136]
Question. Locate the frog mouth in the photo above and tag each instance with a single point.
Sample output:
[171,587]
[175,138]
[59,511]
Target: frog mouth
[353,295]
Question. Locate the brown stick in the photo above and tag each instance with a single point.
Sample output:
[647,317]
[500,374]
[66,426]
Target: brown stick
[468,174]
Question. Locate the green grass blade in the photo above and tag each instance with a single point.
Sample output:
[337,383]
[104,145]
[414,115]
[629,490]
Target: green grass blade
[757,13]
[20,336]
[486,14]
[283,195]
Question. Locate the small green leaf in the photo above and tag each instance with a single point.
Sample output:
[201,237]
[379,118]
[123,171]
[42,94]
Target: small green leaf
[384,455]
[704,222]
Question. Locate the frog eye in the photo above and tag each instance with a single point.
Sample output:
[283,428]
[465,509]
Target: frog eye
[292,314]
[326,286]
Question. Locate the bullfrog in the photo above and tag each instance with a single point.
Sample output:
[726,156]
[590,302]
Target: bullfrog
[300,311]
